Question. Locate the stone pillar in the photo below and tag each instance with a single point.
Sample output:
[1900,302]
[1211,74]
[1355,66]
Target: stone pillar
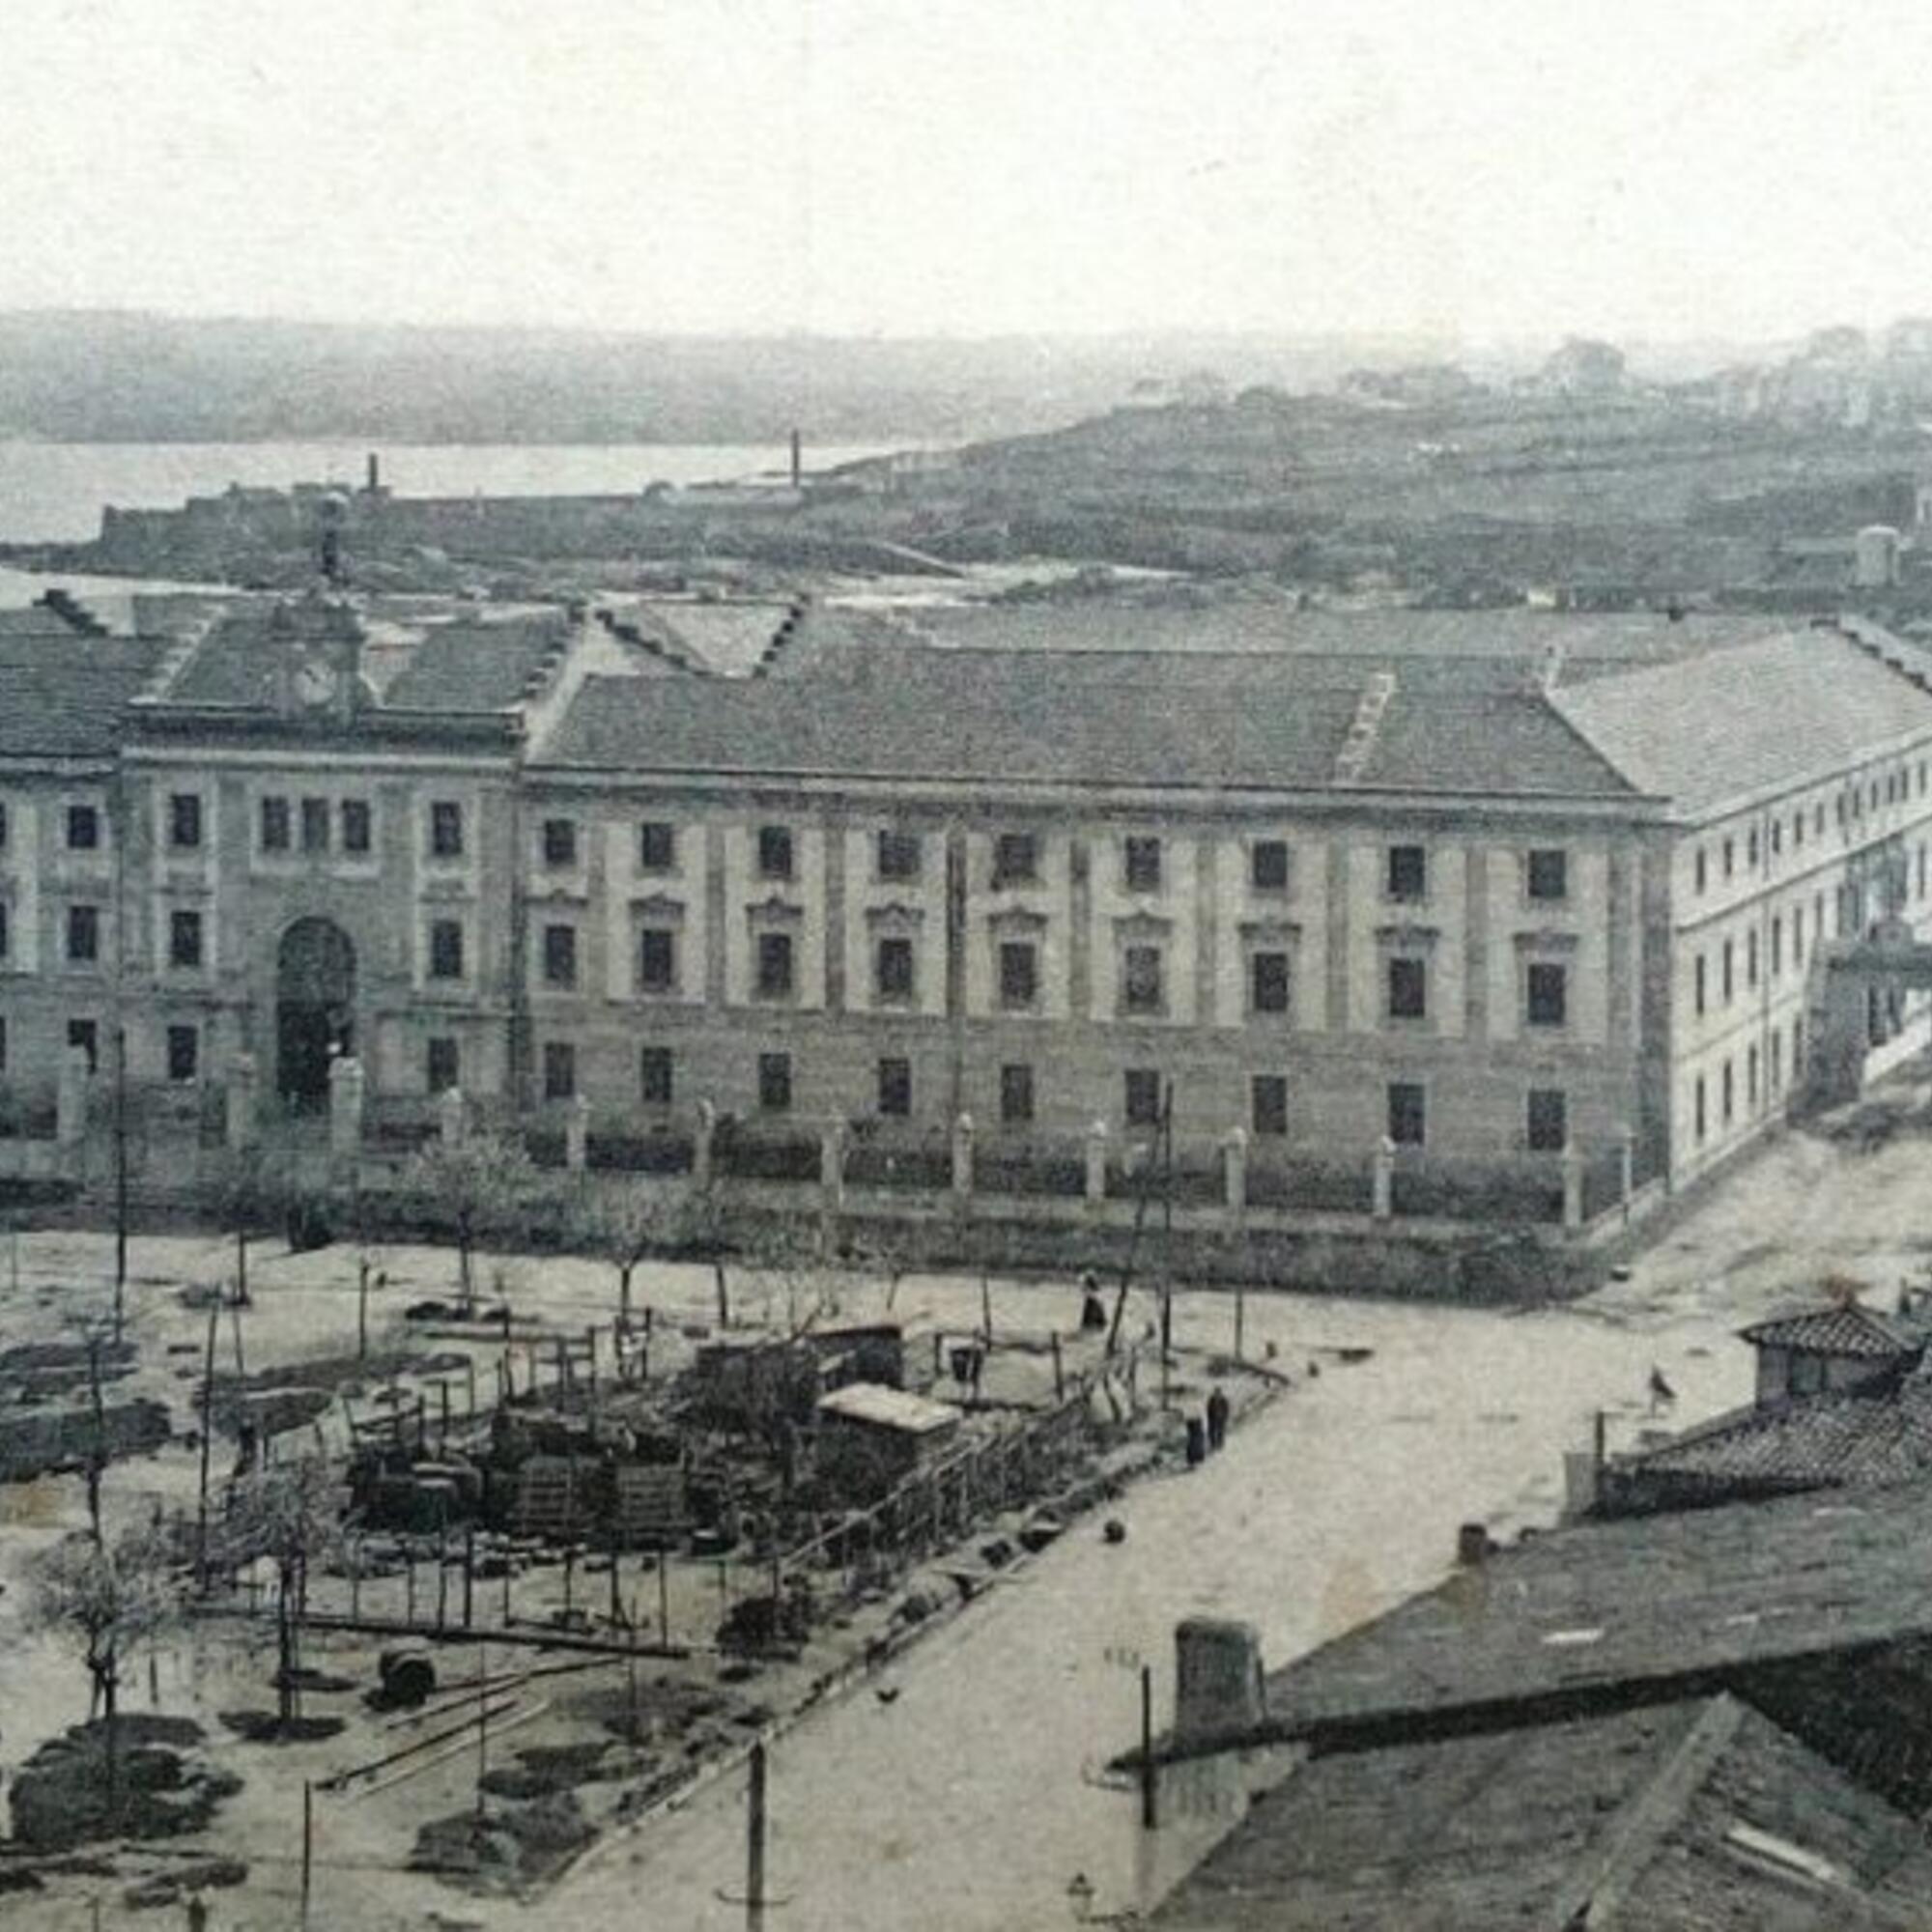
[449,1117]
[1384,1179]
[240,1102]
[1218,1686]
[346,1086]
[1235,1175]
[963,1161]
[1572,1161]
[702,1137]
[71,1099]
[1627,1167]
[1096,1164]
[575,1133]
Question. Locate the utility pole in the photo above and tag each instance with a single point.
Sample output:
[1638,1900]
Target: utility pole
[207,1431]
[1148,1801]
[120,1173]
[754,1846]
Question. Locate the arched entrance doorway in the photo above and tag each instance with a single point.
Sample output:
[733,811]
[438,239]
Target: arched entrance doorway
[315,1008]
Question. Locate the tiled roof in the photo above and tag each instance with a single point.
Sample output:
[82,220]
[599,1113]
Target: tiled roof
[1651,1599]
[1881,1435]
[33,620]
[1695,1814]
[725,636]
[1126,719]
[1850,1330]
[66,697]
[475,667]
[1771,714]
[1171,622]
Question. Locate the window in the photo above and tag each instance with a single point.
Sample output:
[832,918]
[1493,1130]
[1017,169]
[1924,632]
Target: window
[559,843]
[1730,855]
[1267,1104]
[444,1066]
[3,928]
[559,1070]
[1700,977]
[896,1086]
[1267,864]
[1776,943]
[892,969]
[184,939]
[185,820]
[1408,1113]
[655,1082]
[1796,829]
[184,1052]
[445,949]
[83,827]
[1725,1085]
[1750,957]
[1546,1122]
[355,826]
[1267,983]
[775,1083]
[1141,865]
[1818,818]
[1698,1109]
[1407,989]
[1141,989]
[657,960]
[1548,990]
[3,826]
[1019,974]
[1796,1048]
[775,855]
[85,1035]
[274,825]
[657,846]
[1142,1097]
[1698,869]
[3,1042]
[1549,875]
[1777,1059]
[1015,1094]
[1751,848]
[1727,975]
[446,829]
[559,956]
[774,972]
[1750,1078]
[898,855]
[1015,859]
[1798,935]
[1408,873]
[83,935]
[1776,837]
[315,824]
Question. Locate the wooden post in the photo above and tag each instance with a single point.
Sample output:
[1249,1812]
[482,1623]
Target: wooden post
[663,1597]
[754,1848]
[617,1600]
[409,1590]
[986,1308]
[507,1589]
[1149,1799]
[482,1719]
[569,1576]
[442,1415]
[241,1367]
[308,1844]
[1059,1381]
[1241,1316]
[207,1431]
[443,1570]
[469,1572]
[362,1309]
[469,1387]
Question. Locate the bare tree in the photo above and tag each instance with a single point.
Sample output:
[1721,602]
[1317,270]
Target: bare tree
[107,1596]
[255,1189]
[288,1515]
[485,1185]
[622,1229]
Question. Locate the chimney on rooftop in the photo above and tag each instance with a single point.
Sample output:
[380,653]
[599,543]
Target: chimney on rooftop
[374,474]
[797,460]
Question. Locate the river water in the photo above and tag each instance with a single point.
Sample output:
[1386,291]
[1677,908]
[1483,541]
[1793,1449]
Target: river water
[54,492]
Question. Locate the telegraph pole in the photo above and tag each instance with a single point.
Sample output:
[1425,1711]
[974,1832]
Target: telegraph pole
[120,1173]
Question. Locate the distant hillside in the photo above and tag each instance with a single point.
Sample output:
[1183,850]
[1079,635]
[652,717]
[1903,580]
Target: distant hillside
[130,377]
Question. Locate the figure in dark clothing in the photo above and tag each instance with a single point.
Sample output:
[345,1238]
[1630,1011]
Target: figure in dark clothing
[1217,1419]
[1093,1310]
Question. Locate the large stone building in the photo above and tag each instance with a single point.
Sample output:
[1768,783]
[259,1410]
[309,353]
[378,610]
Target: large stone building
[1487,885]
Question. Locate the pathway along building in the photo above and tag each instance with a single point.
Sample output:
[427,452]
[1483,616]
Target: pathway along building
[1485,885]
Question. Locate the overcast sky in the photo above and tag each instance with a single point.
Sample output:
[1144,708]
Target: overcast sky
[1488,167]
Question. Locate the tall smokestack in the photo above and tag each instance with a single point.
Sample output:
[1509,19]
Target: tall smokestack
[375,472]
[797,460]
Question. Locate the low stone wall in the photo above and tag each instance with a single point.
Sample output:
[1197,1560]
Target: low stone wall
[36,1442]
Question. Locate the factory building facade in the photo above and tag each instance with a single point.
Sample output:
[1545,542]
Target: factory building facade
[1484,888]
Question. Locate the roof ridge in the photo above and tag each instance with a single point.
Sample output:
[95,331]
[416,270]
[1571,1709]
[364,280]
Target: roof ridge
[1594,1899]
